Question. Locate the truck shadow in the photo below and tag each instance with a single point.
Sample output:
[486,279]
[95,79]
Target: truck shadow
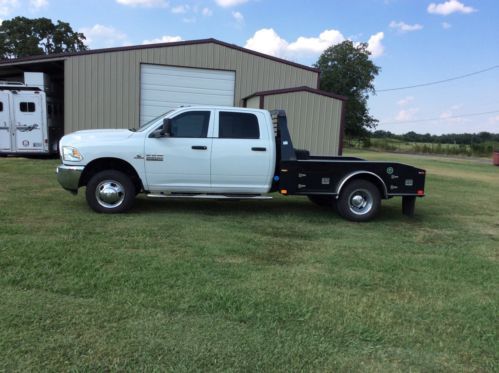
[276,207]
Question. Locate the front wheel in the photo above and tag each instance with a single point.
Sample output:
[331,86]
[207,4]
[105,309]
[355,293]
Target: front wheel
[110,191]
[359,201]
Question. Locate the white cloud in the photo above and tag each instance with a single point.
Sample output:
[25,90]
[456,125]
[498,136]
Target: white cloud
[316,45]
[446,25]
[100,36]
[406,114]
[405,101]
[38,4]
[375,45]
[163,39]
[239,18]
[230,3]
[449,7]
[189,19]
[207,12]
[404,27]
[267,41]
[493,120]
[180,9]
[7,6]
[448,115]
[143,3]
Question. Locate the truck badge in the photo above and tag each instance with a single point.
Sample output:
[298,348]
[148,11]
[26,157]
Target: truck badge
[154,157]
[389,170]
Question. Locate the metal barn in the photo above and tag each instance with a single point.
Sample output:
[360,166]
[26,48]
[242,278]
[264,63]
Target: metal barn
[127,86]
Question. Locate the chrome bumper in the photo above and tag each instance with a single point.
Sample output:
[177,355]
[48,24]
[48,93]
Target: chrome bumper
[69,177]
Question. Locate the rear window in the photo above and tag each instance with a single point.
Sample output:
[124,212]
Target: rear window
[238,126]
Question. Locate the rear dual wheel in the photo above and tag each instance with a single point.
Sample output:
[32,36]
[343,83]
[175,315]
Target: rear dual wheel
[359,201]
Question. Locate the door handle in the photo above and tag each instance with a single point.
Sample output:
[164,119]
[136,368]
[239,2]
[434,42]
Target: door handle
[257,149]
[199,147]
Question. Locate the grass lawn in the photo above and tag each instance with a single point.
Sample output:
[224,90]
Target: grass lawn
[241,286]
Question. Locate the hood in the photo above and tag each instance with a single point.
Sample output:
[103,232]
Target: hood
[97,136]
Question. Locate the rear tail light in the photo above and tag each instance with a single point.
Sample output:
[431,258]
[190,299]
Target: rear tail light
[420,192]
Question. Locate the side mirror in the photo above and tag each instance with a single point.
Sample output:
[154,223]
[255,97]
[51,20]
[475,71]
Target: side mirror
[167,127]
[163,131]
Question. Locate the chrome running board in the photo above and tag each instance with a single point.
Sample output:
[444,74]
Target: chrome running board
[209,196]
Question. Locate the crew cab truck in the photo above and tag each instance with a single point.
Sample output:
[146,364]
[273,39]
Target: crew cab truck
[225,153]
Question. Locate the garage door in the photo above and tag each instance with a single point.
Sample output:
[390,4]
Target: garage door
[165,87]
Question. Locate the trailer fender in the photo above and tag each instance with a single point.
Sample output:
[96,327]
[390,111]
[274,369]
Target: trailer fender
[370,176]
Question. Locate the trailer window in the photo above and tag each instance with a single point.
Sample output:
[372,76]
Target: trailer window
[27,107]
[1,106]
[238,126]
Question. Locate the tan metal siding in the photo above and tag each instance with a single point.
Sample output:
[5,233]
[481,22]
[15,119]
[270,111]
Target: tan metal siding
[253,102]
[103,90]
[314,121]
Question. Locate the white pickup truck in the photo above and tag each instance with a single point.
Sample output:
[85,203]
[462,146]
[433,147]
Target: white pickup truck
[222,153]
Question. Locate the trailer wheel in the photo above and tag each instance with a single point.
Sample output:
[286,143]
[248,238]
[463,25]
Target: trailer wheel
[110,191]
[322,200]
[359,201]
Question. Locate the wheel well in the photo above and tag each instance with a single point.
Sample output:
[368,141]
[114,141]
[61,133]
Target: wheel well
[101,164]
[378,182]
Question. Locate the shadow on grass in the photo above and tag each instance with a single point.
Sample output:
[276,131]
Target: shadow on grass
[277,207]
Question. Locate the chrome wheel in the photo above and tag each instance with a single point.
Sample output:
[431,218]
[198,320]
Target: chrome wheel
[360,202]
[110,193]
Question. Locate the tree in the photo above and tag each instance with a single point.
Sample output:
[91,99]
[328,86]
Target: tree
[23,37]
[347,70]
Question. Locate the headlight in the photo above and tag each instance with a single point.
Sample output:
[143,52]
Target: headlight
[71,154]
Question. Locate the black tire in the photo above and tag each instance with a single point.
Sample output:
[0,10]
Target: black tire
[120,192]
[322,200]
[359,201]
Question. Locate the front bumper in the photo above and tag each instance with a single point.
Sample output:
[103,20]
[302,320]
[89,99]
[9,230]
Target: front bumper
[69,177]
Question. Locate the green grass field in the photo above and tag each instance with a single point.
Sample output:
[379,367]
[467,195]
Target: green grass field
[275,285]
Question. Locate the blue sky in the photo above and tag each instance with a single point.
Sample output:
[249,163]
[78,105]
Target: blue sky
[413,41]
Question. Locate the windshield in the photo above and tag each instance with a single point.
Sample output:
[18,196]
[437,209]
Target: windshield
[152,122]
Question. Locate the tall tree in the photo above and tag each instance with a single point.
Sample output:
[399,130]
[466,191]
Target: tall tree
[347,70]
[22,37]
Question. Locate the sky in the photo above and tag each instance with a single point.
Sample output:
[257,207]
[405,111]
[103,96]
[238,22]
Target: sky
[413,41]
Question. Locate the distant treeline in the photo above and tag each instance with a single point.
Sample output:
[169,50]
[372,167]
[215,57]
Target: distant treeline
[451,138]
[468,144]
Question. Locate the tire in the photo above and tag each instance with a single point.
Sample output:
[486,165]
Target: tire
[359,201]
[322,200]
[110,191]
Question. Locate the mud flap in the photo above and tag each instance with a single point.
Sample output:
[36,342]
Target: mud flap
[408,205]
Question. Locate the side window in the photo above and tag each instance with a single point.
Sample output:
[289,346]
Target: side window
[238,126]
[27,107]
[191,124]
[1,106]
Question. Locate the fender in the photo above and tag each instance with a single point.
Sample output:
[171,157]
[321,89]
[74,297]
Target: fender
[356,173]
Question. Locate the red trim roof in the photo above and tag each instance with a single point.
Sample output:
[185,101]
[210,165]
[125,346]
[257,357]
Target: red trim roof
[159,45]
[297,89]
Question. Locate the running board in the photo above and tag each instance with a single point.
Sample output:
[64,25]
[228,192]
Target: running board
[208,196]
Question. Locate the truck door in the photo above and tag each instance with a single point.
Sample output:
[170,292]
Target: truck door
[5,123]
[28,122]
[181,162]
[243,155]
